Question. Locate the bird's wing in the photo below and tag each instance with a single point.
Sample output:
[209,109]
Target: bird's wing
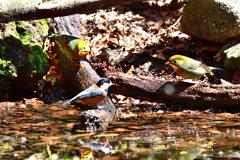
[207,68]
[69,38]
[195,65]
[90,92]
[70,44]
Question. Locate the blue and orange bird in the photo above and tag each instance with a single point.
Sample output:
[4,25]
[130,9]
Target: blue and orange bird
[92,95]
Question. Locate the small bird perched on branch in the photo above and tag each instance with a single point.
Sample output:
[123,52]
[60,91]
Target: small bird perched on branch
[73,47]
[92,95]
[189,68]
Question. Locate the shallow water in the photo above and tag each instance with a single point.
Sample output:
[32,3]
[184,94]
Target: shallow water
[38,131]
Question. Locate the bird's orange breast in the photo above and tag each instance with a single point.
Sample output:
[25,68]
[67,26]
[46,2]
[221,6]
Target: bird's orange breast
[95,86]
[94,100]
[178,70]
[80,55]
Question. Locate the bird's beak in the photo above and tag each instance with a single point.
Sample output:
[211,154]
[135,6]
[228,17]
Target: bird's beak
[167,63]
[112,84]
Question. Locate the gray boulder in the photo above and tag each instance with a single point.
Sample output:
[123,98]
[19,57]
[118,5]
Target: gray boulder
[230,54]
[214,20]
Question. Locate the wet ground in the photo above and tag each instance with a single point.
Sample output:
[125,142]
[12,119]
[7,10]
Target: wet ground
[32,130]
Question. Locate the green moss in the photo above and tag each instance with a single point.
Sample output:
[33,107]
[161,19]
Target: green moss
[37,59]
[31,37]
[6,66]
[44,28]
[3,49]
[7,69]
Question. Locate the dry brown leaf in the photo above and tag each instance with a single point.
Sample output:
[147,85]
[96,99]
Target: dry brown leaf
[159,55]
[130,70]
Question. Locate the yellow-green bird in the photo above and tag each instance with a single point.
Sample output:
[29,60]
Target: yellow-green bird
[73,47]
[189,68]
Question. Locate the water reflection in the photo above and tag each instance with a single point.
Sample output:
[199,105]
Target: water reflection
[47,132]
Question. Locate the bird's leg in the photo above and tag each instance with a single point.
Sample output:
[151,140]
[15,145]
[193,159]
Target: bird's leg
[206,79]
[76,64]
[195,85]
[180,80]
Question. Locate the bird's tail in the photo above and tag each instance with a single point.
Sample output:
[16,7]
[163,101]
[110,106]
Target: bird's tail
[66,102]
[216,68]
[209,68]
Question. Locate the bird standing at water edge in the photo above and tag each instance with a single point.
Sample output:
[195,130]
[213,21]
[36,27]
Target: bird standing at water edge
[73,47]
[189,68]
[92,95]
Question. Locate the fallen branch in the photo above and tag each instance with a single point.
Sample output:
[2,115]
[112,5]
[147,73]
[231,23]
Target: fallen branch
[157,90]
[13,10]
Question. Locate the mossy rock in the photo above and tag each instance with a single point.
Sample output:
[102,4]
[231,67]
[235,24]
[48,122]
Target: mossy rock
[214,20]
[22,43]
[22,53]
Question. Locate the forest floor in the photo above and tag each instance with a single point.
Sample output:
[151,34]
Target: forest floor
[138,39]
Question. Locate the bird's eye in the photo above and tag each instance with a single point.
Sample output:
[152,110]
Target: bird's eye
[175,61]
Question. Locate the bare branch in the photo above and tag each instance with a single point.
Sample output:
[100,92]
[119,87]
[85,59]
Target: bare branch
[12,10]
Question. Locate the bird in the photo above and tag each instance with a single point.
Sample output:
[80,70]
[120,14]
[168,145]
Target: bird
[73,47]
[189,68]
[92,95]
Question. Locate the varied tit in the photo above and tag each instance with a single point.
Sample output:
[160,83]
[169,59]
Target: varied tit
[72,46]
[92,95]
[189,68]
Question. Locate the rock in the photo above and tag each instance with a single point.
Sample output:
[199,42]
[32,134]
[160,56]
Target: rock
[92,120]
[22,59]
[69,25]
[230,54]
[214,20]
[98,119]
